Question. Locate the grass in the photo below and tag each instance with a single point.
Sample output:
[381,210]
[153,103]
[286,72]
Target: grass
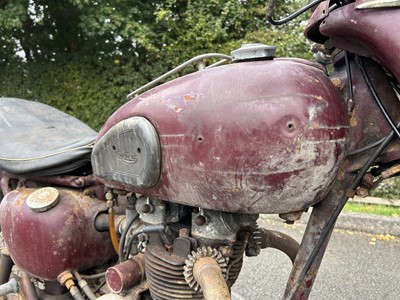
[388,189]
[382,210]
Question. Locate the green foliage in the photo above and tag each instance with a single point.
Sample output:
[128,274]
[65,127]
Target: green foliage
[189,28]
[388,189]
[194,27]
[49,29]
[89,90]
[288,38]
[83,57]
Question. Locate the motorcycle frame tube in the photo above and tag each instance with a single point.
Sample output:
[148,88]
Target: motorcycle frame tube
[318,220]
[126,274]
[58,180]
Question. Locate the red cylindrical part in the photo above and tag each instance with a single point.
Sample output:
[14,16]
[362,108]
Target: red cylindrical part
[126,274]
[63,237]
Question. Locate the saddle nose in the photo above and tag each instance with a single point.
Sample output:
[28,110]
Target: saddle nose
[39,140]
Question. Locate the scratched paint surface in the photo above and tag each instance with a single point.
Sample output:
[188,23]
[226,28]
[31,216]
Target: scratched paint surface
[63,238]
[250,137]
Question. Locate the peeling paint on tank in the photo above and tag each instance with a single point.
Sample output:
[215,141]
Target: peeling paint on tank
[314,110]
[175,108]
[191,97]
[308,177]
[269,136]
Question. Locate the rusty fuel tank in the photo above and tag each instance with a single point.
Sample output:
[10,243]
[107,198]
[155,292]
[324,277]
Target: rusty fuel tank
[250,137]
[48,231]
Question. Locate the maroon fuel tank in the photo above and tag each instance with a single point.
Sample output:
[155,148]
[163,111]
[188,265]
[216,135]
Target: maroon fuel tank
[250,137]
[45,240]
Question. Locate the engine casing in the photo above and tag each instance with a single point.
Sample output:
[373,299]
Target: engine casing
[250,137]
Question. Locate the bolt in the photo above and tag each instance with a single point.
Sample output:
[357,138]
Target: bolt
[142,237]
[362,192]
[251,252]
[350,105]
[66,279]
[368,180]
[291,217]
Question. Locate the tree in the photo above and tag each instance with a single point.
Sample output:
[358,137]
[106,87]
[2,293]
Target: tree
[85,56]
[47,29]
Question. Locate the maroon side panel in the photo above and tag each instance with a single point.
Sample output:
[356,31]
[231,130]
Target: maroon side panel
[245,137]
[371,33]
[367,124]
[44,244]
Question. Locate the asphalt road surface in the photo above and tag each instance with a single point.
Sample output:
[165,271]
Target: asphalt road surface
[356,266]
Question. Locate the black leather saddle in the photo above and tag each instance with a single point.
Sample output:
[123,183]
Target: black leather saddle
[39,140]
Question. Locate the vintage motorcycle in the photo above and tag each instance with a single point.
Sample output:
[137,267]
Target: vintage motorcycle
[163,202]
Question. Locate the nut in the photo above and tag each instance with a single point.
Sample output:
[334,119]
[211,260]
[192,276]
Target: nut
[66,279]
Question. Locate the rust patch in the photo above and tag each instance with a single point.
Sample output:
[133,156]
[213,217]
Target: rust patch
[19,201]
[315,125]
[60,242]
[175,108]
[235,189]
[70,218]
[190,97]
[337,83]
[353,120]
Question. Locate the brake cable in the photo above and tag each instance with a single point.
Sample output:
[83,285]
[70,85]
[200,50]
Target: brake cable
[272,6]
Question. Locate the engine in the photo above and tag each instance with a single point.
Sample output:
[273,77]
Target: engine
[60,235]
